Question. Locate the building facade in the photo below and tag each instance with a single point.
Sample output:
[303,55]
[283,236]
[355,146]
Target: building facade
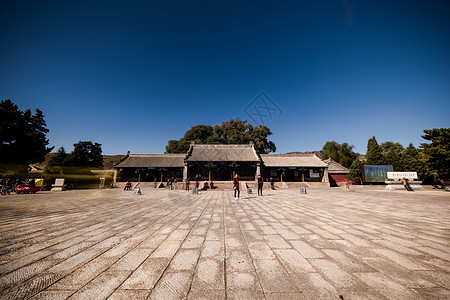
[220,163]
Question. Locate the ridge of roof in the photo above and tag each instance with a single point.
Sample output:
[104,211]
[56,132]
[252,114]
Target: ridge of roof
[290,155]
[222,145]
[158,155]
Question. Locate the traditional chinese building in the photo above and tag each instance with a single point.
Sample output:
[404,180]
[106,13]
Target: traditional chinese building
[220,163]
[337,172]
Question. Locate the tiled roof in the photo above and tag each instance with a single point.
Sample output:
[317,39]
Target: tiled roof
[222,153]
[152,161]
[335,167]
[290,160]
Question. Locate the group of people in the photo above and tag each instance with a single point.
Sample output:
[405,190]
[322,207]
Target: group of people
[29,182]
[206,185]
[237,192]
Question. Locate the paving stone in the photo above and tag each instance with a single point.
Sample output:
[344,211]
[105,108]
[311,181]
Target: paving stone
[53,295]
[102,286]
[273,277]
[368,244]
[314,286]
[31,287]
[212,248]
[129,295]
[168,248]
[147,275]
[293,261]
[207,295]
[400,259]
[244,280]
[387,287]
[24,273]
[131,260]
[210,275]
[172,286]
[335,274]
[193,241]
[75,261]
[184,260]
[306,250]
[82,276]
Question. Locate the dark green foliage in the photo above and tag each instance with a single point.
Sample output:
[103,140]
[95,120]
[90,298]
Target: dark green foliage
[200,134]
[22,135]
[341,153]
[411,160]
[355,171]
[374,155]
[331,150]
[437,153]
[392,153]
[229,132]
[84,156]
[59,158]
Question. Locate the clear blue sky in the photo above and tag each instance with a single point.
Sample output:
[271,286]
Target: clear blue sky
[132,75]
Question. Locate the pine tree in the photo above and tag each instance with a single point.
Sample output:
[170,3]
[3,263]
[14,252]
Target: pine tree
[355,171]
[374,155]
[392,153]
[437,153]
[22,135]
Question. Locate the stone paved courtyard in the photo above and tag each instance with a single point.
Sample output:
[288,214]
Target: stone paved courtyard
[327,244]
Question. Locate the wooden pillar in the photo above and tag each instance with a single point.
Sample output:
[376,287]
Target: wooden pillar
[258,170]
[325,175]
[185,172]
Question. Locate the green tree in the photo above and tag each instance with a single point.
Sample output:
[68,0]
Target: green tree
[229,132]
[355,171]
[200,134]
[411,161]
[437,153]
[85,154]
[22,135]
[58,159]
[342,153]
[392,153]
[374,155]
[331,150]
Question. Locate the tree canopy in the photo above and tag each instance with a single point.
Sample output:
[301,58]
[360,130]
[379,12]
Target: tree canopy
[341,153]
[229,132]
[374,155]
[392,153]
[22,135]
[437,153]
[85,154]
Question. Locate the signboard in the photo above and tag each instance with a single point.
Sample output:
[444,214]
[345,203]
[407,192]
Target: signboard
[400,175]
[314,174]
[302,190]
[102,183]
[376,173]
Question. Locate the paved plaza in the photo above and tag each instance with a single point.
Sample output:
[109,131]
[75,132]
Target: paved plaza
[327,244]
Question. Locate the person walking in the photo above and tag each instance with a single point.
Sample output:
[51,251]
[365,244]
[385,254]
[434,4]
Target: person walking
[260,182]
[171,183]
[236,186]
[187,183]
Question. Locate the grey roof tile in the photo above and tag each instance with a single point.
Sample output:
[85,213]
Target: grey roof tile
[290,160]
